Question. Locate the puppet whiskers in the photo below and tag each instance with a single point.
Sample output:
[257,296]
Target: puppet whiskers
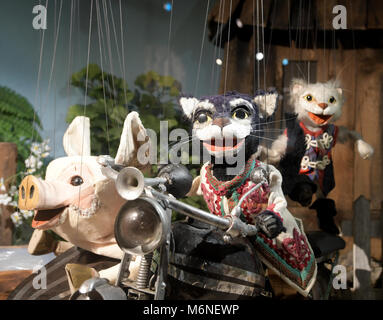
[261,137]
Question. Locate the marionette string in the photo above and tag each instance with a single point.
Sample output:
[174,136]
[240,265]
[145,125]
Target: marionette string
[228,48]
[85,102]
[215,56]
[102,72]
[201,51]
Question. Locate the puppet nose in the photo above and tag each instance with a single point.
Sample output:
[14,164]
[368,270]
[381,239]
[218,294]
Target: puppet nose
[221,122]
[323,105]
[38,194]
[28,193]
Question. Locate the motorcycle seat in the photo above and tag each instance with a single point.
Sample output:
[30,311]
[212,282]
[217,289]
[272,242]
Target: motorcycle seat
[324,243]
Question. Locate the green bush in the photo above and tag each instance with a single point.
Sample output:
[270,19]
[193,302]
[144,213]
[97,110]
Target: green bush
[154,97]
[20,124]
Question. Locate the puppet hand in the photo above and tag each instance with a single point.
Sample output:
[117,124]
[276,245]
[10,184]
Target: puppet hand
[270,156]
[270,224]
[259,175]
[364,149]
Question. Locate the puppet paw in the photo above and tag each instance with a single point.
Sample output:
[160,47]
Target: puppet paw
[270,224]
[259,175]
[326,211]
[364,149]
[269,156]
[327,224]
[303,193]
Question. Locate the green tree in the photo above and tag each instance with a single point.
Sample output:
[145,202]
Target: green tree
[155,100]
[154,97]
[111,100]
[18,124]
[107,109]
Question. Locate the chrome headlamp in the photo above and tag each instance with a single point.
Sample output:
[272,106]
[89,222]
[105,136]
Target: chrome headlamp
[141,226]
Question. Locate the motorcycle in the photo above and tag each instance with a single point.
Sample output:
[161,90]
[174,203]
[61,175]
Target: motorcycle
[203,256]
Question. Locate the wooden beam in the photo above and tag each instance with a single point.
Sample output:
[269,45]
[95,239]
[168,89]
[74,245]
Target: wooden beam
[376,230]
[375,14]
[381,232]
[8,155]
[280,15]
[221,11]
[362,249]
[249,13]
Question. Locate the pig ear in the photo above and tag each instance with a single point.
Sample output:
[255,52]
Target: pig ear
[188,105]
[267,103]
[76,138]
[133,136]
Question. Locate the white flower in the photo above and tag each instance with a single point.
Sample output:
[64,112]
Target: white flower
[31,170]
[16,218]
[5,199]
[45,146]
[13,190]
[31,162]
[45,154]
[39,164]
[27,213]
[36,148]
[2,185]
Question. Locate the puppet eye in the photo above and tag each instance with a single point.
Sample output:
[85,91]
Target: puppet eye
[202,117]
[76,181]
[309,97]
[240,114]
[332,100]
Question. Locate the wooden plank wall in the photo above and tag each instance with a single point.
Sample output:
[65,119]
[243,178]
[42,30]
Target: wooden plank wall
[8,155]
[361,14]
[360,72]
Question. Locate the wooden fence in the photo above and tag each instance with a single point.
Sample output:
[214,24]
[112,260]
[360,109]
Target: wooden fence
[362,228]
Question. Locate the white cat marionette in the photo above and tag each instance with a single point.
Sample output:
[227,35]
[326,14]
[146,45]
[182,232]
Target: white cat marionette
[304,150]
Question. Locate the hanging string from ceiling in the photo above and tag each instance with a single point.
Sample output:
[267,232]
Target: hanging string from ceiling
[201,50]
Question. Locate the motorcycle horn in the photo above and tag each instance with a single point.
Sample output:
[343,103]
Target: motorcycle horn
[130,183]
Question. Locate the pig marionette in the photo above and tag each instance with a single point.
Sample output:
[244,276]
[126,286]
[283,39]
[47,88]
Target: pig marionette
[76,200]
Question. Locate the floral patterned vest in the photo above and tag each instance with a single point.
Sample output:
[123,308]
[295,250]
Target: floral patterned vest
[289,254]
[317,160]
[222,196]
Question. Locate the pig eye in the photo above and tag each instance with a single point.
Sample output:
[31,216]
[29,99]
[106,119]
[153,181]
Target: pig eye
[76,181]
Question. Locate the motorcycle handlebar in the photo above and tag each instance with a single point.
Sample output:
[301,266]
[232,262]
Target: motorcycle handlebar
[231,224]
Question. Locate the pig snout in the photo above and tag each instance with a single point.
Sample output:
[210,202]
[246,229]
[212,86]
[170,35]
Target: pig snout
[38,194]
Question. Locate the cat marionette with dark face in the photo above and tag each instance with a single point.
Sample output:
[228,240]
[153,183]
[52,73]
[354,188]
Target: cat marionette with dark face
[304,150]
[229,127]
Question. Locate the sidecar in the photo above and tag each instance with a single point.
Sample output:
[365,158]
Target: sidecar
[201,266]
[197,258]
[57,281]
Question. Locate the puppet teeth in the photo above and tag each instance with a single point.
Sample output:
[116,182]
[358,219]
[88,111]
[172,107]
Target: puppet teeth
[89,212]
